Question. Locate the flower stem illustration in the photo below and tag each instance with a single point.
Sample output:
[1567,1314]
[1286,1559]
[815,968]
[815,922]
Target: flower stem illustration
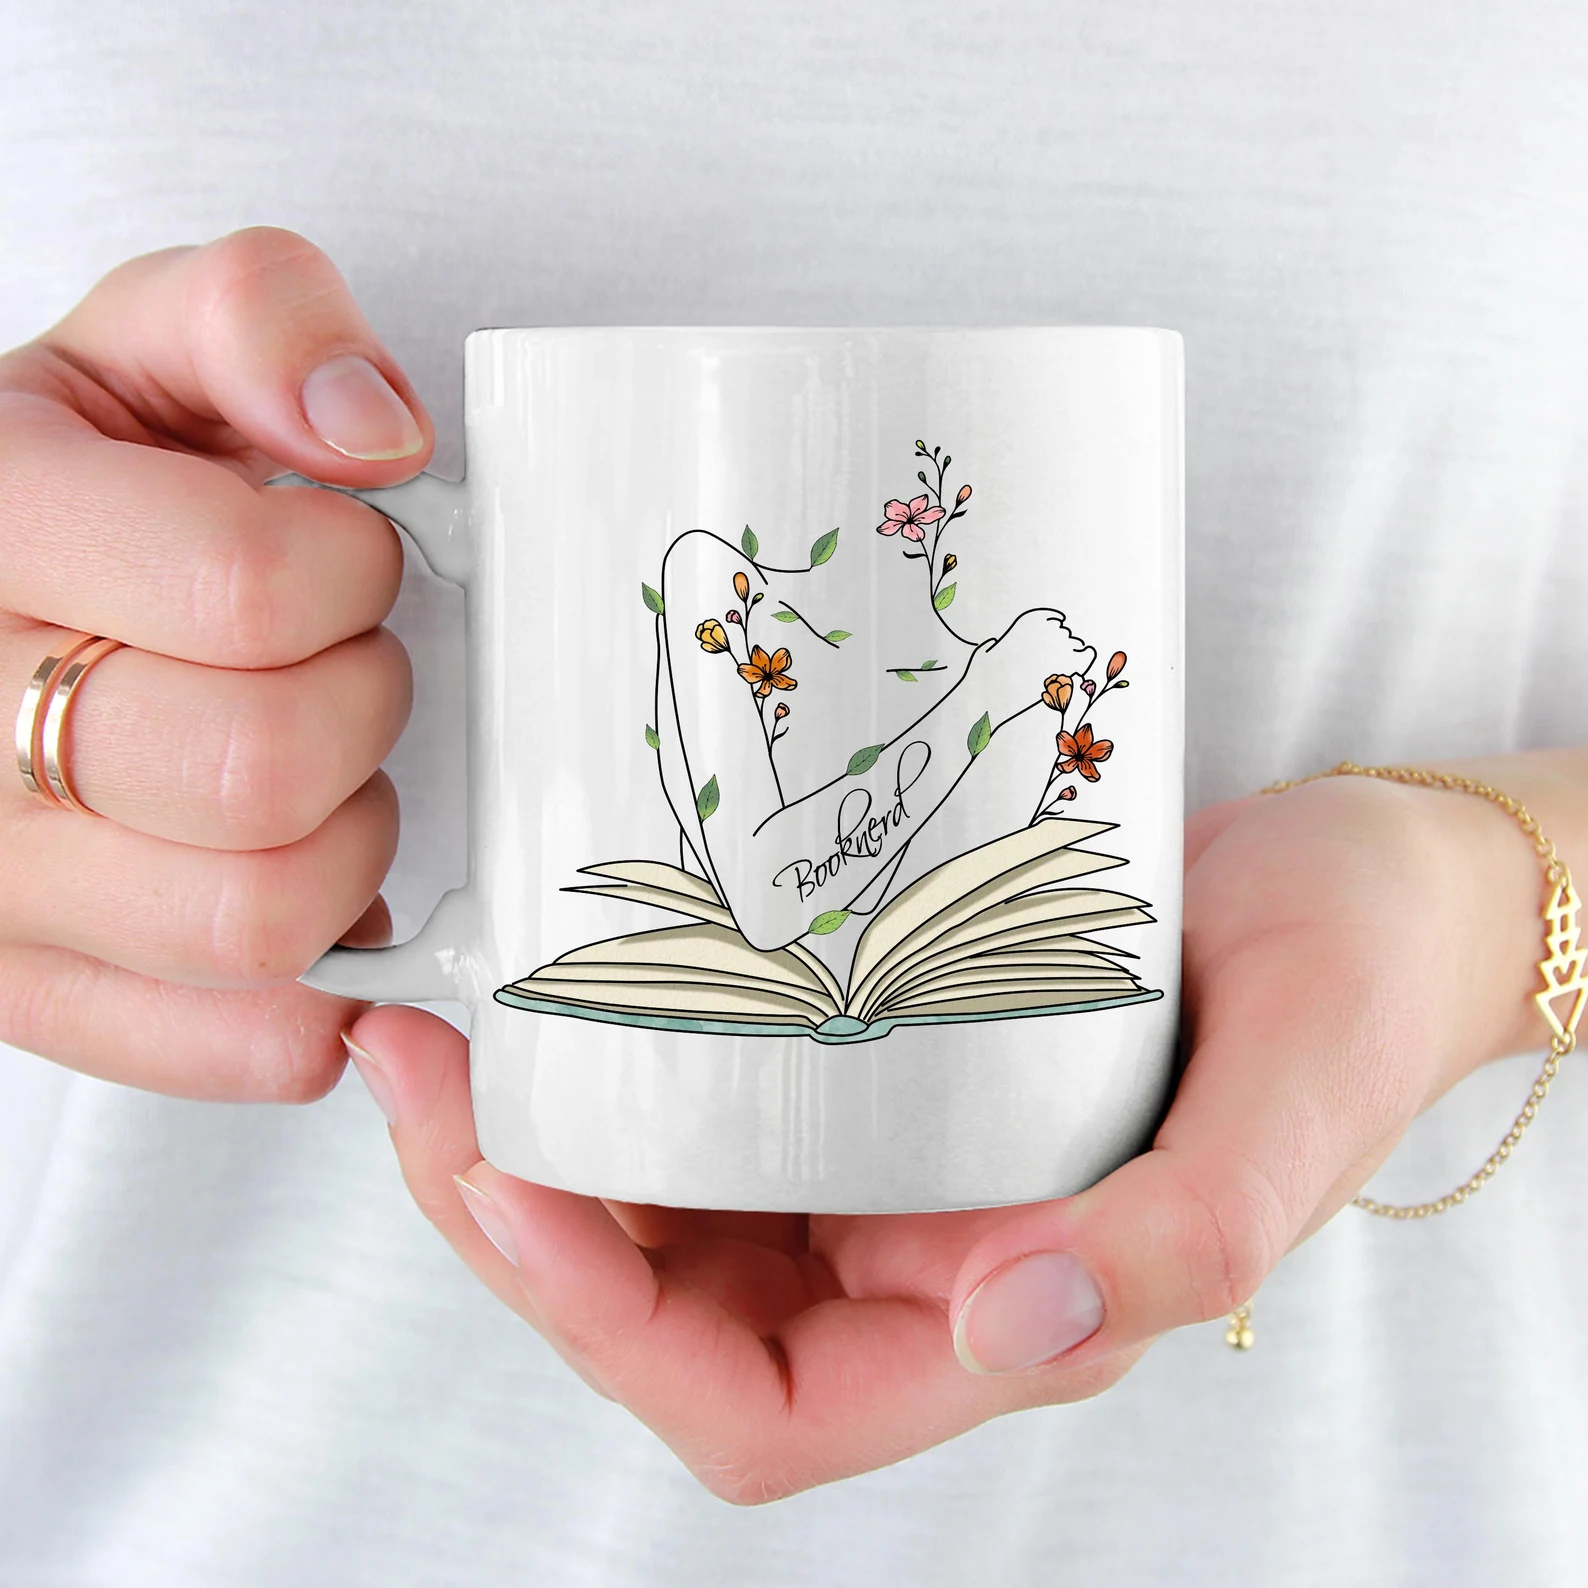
[1080,751]
[920,522]
[911,520]
[762,671]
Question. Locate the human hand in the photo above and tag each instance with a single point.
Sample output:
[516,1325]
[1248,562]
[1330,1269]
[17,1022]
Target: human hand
[233,747]
[1352,949]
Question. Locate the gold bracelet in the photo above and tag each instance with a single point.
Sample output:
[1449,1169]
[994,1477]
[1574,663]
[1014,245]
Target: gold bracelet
[1564,971]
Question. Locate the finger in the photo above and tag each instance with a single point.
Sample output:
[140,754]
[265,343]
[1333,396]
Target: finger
[280,1045]
[373,929]
[168,553]
[251,341]
[416,1067]
[646,1224]
[837,1386]
[760,1382]
[204,917]
[764,1283]
[222,758]
[1299,1073]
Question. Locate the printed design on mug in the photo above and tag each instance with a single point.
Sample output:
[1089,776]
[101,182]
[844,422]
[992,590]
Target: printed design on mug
[811,723]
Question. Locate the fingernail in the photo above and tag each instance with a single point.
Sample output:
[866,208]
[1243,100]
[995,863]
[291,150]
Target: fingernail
[351,406]
[488,1216]
[1027,1313]
[374,1077]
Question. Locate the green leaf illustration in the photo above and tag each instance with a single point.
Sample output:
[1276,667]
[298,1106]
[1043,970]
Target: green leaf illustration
[828,921]
[749,542]
[864,760]
[651,598]
[838,636]
[980,736]
[1120,683]
[909,678]
[927,667]
[650,737]
[944,597]
[708,799]
[824,548]
[787,617]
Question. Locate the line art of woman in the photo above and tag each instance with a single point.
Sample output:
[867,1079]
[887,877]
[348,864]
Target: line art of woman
[812,721]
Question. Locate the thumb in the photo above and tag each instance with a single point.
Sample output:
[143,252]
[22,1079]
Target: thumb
[252,341]
[1299,1085]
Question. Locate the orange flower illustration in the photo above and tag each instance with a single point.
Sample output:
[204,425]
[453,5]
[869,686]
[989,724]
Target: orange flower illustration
[1079,752]
[765,673]
[1056,691]
[1116,664]
[741,587]
[712,636]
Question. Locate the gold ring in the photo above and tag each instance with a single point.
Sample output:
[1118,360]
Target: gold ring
[52,740]
[30,716]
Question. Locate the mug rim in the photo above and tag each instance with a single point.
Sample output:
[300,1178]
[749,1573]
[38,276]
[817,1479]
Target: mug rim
[1012,329]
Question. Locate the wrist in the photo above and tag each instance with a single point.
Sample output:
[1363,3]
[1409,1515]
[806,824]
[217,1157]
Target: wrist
[1498,934]
[1464,885]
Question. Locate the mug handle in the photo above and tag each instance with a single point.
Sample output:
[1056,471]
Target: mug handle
[437,963]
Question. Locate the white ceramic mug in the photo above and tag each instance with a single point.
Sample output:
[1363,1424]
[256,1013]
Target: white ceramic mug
[825,760]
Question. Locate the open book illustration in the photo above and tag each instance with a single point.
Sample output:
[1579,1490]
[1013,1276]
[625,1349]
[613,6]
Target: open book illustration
[818,732]
[986,936]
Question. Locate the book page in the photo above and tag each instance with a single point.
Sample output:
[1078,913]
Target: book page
[1069,909]
[592,984]
[961,983]
[1038,936]
[666,887]
[994,956]
[945,885]
[972,916]
[660,898]
[656,874]
[712,948]
[1036,941]
[1007,1002]
[730,1001]
[1037,914]
[1004,968]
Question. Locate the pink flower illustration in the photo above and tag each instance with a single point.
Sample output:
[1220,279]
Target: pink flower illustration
[912,517]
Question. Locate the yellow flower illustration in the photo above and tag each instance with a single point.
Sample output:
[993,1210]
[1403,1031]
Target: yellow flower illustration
[712,636]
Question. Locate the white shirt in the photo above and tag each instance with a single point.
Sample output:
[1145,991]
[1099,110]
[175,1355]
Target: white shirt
[232,1352]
